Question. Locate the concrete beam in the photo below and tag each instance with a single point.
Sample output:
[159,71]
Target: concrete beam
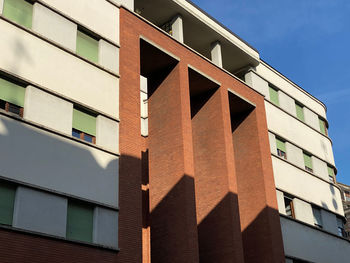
[216,55]
[177,28]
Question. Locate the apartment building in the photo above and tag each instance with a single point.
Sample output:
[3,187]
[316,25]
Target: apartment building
[345,195]
[146,131]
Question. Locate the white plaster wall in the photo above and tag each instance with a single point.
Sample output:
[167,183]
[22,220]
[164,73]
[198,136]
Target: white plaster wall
[144,127]
[107,133]
[48,110]
[54,27]
[284,85]
[303,185]
[310,244]
[50,161]
[257,83]
[98,15]
[108,56]
[287,103]
[294,131]
[295,155]
[303,211]
[126,3]
[329,221]
[1,6]
[48,66]
[320,168]
[280,202]
[143,84]
[272,140]
[312,119]
[40,212]
[105,227]
[143,104]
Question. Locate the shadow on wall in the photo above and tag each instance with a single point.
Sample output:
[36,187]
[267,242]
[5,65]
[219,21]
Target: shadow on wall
[207,229]
[334,200]
[39,158]
[43,159]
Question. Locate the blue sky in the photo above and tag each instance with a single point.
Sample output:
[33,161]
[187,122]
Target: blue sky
[309,42]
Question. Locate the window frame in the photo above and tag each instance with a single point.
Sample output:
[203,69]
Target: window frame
[90,39]
[282,153]
[301,109]
[83,135]
[291,204]
[307,168]
[274,91]
[28,6]
[7,108]
[317,224]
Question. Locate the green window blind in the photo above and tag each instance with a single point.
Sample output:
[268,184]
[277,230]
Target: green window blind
[12,93]
[7,201]
[281,145]
[87,47]
[307,161]
[300,112]
[84,122]
[79,221]
[331,171]
[322,126]
[19,11]
[274,96]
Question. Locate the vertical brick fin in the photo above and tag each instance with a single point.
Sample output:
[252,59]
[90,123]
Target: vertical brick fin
[219,232]
[262,237]
[131,145]
[172,201]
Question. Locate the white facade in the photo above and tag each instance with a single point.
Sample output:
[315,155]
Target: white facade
[41,157]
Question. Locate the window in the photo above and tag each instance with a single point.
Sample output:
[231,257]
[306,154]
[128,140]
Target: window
[274,96]
[11,97]
[317,217]
[281,148]
[331,174]
[288,204]
[308,162]
[323,127]
[300,112]
[79,221]
[19,11]
[87,47]
[84,126]
[7,201]
[340,225]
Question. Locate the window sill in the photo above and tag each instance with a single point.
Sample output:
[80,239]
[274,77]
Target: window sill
[62,239]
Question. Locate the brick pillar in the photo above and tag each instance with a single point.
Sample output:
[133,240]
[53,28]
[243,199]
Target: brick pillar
[262,238]
[172,200]
[219,230]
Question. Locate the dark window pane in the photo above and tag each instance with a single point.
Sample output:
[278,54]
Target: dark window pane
[88,138]
[2,104]
[14,109]
[76,133]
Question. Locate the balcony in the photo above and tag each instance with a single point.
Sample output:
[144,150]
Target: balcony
[200,32]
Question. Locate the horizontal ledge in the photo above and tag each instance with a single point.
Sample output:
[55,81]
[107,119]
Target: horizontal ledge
[27,82]
[59,46]
[62,239]
[61,134]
